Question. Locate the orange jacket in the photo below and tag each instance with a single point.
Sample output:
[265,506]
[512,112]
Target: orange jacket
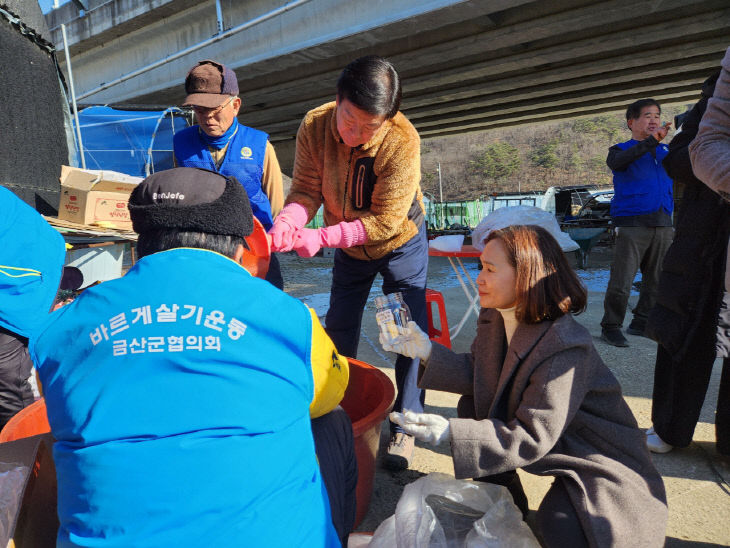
[378,182]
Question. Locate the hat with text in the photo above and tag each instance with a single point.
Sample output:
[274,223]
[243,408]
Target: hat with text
[209,84]
[190,199]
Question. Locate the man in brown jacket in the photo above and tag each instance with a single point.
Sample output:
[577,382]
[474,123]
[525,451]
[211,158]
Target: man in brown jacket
[359,157]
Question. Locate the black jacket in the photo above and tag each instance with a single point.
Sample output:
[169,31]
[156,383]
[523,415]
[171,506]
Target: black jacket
[694,266]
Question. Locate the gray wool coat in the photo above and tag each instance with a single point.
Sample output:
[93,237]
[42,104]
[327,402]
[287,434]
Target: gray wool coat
[549,405]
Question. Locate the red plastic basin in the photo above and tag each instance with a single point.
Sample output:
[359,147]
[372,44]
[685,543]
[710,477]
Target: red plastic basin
[368,400]
[27,422]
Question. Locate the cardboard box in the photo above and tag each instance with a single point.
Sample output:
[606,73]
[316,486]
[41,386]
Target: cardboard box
[96,197]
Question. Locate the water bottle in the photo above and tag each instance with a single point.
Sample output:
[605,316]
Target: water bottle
[391,313]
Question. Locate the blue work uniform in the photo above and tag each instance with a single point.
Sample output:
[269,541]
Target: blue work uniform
[182,410]
[641,212]
[31,264]
[643,186]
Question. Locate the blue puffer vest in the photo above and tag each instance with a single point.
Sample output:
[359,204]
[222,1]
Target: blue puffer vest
[644,186]
[244,160]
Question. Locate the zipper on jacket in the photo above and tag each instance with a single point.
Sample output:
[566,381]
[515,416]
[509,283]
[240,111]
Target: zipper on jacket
[344,202]
[347,183]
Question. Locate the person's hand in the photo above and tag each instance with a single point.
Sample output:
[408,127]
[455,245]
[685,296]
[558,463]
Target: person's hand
[287,222]
[282,234]
[307,241]
[661,133]
[426,427]
[411,342]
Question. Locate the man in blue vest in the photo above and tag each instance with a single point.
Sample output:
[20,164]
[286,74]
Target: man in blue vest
[220,143]
[184,395]
[641,211]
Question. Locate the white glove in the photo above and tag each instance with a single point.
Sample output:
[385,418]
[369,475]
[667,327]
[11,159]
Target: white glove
[411,342]
[426,427]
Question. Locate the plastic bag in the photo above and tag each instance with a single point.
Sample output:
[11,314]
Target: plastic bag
[449,242]
[521,215]
[438,511]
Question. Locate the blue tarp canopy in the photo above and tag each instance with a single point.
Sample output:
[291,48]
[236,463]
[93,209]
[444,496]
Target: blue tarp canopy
[133,142]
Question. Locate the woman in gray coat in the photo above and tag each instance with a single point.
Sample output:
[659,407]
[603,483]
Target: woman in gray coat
[536,396]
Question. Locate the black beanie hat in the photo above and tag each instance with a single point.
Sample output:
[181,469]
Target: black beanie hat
[191,200]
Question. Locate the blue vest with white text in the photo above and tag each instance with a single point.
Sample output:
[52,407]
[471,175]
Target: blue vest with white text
[644,186]
[244,160]
[181,410]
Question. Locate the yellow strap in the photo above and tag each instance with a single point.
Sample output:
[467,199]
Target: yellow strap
[22,272]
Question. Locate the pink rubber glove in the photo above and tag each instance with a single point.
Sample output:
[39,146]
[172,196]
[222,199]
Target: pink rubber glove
[308,241]
[290,219]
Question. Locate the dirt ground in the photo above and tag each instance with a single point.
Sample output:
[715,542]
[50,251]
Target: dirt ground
[697,479]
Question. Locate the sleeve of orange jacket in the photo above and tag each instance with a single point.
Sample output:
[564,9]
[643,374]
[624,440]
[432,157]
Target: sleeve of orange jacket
[330,370]
[306,183]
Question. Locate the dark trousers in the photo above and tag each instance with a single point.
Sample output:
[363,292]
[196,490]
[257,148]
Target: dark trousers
[681,379]
[510,479]
[404,270]
[15,368]
[557,520]
[636,247]
[334,444]
[273,276]
[679,392]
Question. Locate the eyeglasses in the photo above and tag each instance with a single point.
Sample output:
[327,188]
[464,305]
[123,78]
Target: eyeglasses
[202,111]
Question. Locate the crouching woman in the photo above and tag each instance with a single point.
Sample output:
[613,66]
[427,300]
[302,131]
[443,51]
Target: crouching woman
[536,396]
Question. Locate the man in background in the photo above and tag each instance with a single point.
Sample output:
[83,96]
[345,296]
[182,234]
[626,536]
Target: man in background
[220,143]
[641,211]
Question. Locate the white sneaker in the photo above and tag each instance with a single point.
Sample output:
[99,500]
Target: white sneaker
[655,443]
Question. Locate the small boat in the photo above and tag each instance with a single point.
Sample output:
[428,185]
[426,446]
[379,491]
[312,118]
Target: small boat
[586,237]
[589,224]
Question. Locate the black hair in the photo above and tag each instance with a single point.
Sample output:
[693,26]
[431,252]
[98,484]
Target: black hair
[372,84]
[634,110]
[154,241]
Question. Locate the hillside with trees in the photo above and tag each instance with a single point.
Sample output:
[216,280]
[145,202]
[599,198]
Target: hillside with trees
[527,157]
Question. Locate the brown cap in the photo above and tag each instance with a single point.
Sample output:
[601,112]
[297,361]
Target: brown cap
[209,84]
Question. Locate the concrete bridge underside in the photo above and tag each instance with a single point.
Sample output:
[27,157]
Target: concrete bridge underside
[465,65]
